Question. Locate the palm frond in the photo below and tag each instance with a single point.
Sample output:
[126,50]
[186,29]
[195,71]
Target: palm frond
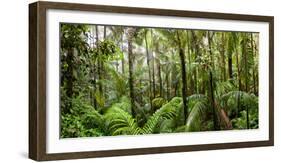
[197,114]
[168,111]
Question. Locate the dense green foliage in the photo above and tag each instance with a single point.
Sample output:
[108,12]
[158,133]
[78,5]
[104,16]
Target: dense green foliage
[131,81]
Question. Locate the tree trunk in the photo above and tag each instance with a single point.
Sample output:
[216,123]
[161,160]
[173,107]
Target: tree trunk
[149,70]
[189,63]
[94,102]
[98,62]
[153,68]
[196,51]
[130,35]
[123,60]
[216,127]
[254,54]
[159,71]
[183,74]
[210,37]
[104,32]
[245,62]
[167,80]
[223,56]
[238,69]
[230,73]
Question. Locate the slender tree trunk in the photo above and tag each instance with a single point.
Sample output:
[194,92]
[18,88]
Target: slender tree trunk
[104,32]
[254,54]
[238,69]
[159,71]
[216,127]
[167,80]
[196,50]
[183,74]
[123,60]
[174,80]
[149,70]
[130,35]
[94,102]
[153,77]
[153,67]
[223,56]
[245,62]
[104,73]
[230,73]
[210,37]
[98,62]
[189,63]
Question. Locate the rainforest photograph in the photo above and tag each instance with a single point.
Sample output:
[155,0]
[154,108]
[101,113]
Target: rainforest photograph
[128,80]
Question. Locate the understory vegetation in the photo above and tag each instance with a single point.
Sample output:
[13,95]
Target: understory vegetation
[134,80]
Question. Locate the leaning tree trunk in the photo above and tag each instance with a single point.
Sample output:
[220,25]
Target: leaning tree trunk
[130,36]
[183,74]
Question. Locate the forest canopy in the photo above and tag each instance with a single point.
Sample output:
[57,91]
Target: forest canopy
[119,80]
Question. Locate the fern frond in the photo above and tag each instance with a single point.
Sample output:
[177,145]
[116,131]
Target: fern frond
[168,111]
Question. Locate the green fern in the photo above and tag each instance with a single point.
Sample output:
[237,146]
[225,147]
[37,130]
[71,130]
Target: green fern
[197,114]
[120,122]
[168,111]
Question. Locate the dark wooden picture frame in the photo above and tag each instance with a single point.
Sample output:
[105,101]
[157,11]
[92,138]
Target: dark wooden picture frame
[37,79]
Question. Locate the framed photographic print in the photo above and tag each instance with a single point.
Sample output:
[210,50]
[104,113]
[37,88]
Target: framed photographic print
[111,81]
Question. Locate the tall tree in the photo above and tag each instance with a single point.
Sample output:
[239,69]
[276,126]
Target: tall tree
[158,65]
[189,54]
[93,72]
[99,63]
[153,66]
[148,65]
[195,48]
[222,57]
[253,70]
[183,74]
[130,36]
[229,56]
[211,92]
